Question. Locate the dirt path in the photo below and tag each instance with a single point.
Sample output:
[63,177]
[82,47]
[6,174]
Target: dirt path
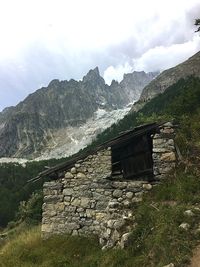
[195,261]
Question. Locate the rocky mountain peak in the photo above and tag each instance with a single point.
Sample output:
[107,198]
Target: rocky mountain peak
[136,81]
[54,83]
[93,73]
[93,76]
[133,74]
[114,83]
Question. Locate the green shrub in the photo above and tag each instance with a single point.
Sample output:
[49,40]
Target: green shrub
[30,211]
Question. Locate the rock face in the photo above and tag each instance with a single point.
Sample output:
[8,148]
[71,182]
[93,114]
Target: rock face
[171,76]
[135,81]
[30,126]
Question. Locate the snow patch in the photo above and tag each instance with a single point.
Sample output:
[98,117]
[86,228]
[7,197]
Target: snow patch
[14,160]
[71,139]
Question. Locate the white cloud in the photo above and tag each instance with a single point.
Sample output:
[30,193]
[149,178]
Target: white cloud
[116,73]
[164,57]
[163,40]
[60,25]
[65,38]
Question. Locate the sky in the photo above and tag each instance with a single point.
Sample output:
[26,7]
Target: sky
[42,40]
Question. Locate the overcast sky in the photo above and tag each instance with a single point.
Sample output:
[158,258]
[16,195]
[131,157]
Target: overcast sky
[41,40]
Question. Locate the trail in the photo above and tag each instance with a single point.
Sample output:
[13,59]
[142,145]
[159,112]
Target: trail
[195,261]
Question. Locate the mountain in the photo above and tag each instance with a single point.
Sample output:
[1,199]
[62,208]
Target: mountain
[47,115]
[179,103]
[133,82]
[169,77]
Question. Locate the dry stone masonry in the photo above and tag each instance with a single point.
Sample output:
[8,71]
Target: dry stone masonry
[87,200]
[164,156]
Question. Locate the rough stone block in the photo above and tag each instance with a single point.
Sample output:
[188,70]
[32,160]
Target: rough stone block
[147,186]
[119,185]
[98,196]
[125,240]
[77,165]
[70,209]
[126,203]
[53,185]
[117,193]
[53,198]
[60,206]
[90,170]
[100,216]
[184,226]
[101,205]
[115,236]
[167,130]
[107,193]
[85,202]
[75,232]
[69,175]
[93,205]
[73,170]
[110,223]
[68,192]
[170,156]
[47,192]
[156,136]
[161,149]
[49,214]
[119,223]
[81,175]
[47,228]
[76,202]
[48,207]
[114,204]
[129,195]
[67,198]
[158,141]
[135,184]
[189,213]
[82,169]
[90,213]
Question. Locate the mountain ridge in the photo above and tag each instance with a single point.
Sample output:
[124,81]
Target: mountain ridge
[170,76]
[29,126]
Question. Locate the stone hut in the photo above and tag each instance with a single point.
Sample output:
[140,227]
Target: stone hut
[95,192]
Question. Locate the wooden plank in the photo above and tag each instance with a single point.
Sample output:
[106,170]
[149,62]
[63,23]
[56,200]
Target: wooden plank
[137,164]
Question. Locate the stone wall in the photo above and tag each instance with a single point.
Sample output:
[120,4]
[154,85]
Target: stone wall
[87,201]
[164,156]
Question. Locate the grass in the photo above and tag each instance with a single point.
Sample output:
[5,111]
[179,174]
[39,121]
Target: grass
[156,241]
[28,249]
